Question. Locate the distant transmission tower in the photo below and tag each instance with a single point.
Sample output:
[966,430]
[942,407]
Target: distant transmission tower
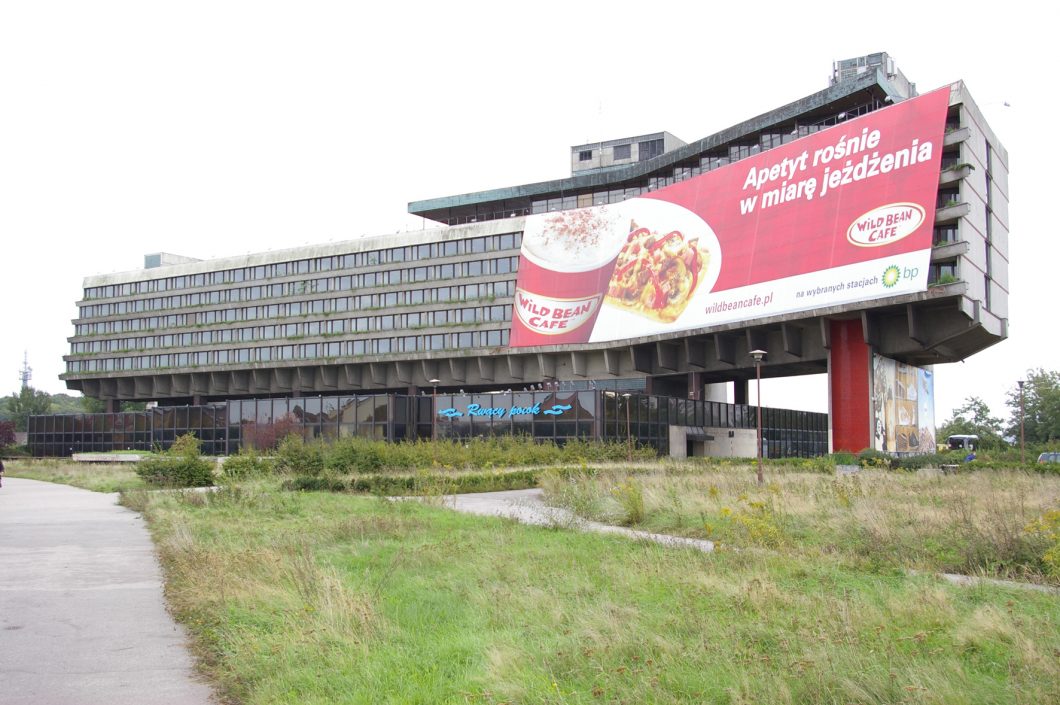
[26,373]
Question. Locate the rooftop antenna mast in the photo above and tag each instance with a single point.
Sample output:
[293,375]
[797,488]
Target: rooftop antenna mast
[25,374]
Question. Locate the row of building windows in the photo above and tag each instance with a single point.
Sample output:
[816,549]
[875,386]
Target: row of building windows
[344,283]
[989,239]
[465,293]
[949,232]
[410,253]
[302,329]
[291,352]
[707,163]
[259,423]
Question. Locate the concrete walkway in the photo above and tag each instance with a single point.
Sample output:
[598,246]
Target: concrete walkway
[82,619]
[528,507]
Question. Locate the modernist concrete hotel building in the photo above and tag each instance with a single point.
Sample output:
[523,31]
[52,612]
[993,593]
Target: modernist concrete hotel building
[431,312]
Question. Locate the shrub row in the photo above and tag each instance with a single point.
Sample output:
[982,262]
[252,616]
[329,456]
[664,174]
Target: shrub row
[247,463]
[362,455]
[421,484]
[984,461]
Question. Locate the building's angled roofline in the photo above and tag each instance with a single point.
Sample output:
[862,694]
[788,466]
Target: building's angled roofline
[627,140]
[602,178]
[339,247]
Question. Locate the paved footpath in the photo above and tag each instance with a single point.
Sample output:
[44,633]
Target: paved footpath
[528,507]
[82,619]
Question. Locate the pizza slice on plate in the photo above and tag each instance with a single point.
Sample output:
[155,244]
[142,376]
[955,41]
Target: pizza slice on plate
[656,274]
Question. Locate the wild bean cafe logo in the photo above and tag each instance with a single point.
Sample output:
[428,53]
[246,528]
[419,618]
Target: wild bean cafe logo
[500,412]
[543,314]
[885,224]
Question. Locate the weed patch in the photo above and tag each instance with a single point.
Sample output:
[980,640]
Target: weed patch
[996,523]
[325,597]
[98,477]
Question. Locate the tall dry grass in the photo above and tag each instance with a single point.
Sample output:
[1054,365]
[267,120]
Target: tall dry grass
[98,477]
[969,523]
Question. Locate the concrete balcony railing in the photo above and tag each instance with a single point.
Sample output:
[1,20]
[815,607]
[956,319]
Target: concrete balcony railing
[951,212]
[956,136]
[949,251]
[954,174]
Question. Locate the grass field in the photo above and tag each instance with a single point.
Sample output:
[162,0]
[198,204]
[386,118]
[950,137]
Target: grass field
[98,477]
[305,597]
[972,523]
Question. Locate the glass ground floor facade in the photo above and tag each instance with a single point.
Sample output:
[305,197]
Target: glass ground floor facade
[226,427]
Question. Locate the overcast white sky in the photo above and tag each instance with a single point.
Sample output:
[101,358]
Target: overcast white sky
[219,128]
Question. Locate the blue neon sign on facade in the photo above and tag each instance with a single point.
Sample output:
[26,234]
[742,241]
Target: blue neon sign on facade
[500,412]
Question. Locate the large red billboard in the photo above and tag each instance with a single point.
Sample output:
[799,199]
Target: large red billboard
[842,215]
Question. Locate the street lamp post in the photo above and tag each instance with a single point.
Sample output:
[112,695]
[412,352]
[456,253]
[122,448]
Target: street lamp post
[629,436]
[1022,458]
[434,408]
[758,355]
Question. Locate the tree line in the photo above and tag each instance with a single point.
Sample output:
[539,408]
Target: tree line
[1041,415]
[17,407]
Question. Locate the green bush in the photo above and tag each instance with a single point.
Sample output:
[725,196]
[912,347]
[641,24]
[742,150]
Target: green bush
[822,464]
[362,455]
[297,456]
[1047,526]
[247,463]
[872,458]
[355,455]
[180,466]
[630,496]
[927,460]
[365,456]
[420,484]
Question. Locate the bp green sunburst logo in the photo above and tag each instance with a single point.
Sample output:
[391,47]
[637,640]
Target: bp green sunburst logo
[891,275]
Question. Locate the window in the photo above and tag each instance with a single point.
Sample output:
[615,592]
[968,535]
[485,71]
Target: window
[943,273]
[945,234]
[585,155]
[623,151]
[649,150]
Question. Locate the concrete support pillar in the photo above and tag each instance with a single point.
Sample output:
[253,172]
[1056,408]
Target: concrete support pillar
[695,385]
[739,391]
[849,387]
[111,406]
[413,390]
[196,400]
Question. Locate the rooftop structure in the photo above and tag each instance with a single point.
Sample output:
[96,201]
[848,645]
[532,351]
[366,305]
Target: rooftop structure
[628,150]
[847,70]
